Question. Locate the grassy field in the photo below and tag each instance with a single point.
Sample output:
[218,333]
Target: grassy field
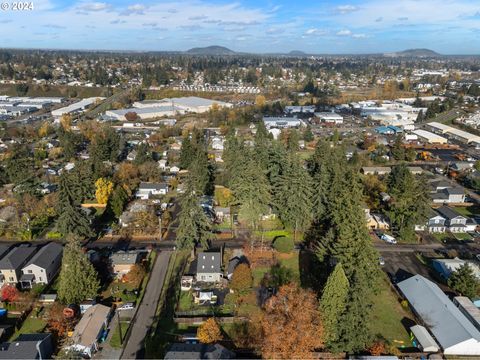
[31,325]
[115,339]
[388,315]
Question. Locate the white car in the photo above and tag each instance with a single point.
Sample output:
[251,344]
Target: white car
[126,306]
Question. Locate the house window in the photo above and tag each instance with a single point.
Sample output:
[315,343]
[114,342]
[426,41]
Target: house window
[40,278]
[11,279]
[41,270]
[30,271]
[437,221]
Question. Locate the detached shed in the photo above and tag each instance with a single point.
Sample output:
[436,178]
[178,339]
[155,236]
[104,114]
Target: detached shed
[424,341]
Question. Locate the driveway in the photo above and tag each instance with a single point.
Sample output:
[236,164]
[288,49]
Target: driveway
[135,346]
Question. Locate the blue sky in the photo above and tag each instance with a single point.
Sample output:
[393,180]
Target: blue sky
[313,26]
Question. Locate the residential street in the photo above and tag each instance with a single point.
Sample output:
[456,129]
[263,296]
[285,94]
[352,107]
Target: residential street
[143,320]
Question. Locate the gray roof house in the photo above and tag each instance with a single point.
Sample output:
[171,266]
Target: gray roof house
[198,351]
[209,267]
[28,346]
[123,261]
[11,264]
[453,220]
[89,329]
[450,327]
[43,266]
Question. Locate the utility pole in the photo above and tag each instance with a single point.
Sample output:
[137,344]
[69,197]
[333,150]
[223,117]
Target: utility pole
[160,225]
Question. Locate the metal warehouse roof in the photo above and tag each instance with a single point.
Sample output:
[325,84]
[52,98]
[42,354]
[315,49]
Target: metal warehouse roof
[428,135]
[446,322]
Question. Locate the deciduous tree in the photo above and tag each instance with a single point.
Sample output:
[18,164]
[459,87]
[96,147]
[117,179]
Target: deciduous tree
[209,332]
[242,278]
[291,326]
[104,189]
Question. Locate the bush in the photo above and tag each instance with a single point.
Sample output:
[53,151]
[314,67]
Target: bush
[283,244]
[54,235]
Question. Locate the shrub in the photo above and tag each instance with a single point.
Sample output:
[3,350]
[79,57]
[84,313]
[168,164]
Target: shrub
[283,244]
[54,235]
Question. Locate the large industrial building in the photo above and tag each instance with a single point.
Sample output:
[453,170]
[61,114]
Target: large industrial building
[453,133]
[452,330]
[79,106]
[430,137]
[190,104]
[282,122]
[144,113]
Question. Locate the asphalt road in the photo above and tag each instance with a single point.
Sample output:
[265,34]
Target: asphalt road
[135,346]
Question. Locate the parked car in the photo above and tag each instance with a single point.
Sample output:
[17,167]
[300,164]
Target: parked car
[388,238]
[127,306]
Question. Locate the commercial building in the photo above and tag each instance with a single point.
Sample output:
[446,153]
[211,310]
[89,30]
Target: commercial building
[452,330]
[453,133]
[78,107]
[438,128]
[282,122]
[144,113]
[330,117]
[191,104]
[430,137]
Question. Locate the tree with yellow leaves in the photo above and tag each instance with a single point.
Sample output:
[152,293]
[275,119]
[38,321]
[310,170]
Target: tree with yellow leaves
[260,101]
[104,188]
[209,332]
[66,122]
[44,129]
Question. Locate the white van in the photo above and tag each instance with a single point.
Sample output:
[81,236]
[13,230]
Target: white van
[389,239]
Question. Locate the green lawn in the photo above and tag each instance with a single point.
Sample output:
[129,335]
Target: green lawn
[291,262]
[462,236]
[115,339]
[387,316]
[468,210]
[31,325]
[258,274]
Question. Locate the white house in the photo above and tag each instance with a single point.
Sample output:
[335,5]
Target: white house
[162,164]
[209,267]
[145,190]
[43,266]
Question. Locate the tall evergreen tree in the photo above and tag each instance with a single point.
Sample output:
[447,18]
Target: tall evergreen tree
[292,195]
[332,305]
[193,225]
[409,204]
[72,219]
[342,237]
[78,279]
[186,153]
[464,281]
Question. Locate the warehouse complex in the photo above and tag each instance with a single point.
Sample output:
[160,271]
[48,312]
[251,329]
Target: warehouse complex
[453,133]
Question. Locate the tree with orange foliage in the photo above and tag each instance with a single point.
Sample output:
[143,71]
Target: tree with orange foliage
[136,275]
[57,323]
[291,326]
[9,293]
[209,332]
[377,348]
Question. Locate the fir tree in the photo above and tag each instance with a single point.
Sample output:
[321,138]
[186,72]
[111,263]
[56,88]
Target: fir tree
[333,304]
[464,282]
[78,279]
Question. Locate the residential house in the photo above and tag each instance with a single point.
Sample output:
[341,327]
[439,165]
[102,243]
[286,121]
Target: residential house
[443,192]
[145,190]
[209,267]
[174,169]
[162,164]
[123,261]
[217,143]
[43,266]
[435,223]
[198,351]
[132,155]
[376,170]
[12,263]
[445,267]
[455,222]
[90,330]
[222,213]
[130,215]
[453,331]
[28,346]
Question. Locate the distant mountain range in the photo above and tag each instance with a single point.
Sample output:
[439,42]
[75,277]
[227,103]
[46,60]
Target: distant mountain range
[211,50]
[217,50]
[414,53]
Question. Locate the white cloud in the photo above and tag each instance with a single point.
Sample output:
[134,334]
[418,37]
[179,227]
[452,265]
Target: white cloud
[345,9]
[315,31]
[93,6]
[359,36]
[344,32]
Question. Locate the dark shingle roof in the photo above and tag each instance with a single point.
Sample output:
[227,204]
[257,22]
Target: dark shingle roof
[46,255]
[209,262]
[448,213]
[17,257]
[25,347]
